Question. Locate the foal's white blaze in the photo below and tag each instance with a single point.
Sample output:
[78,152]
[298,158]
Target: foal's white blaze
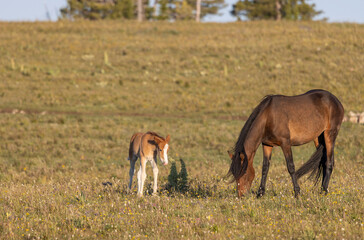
[165,157]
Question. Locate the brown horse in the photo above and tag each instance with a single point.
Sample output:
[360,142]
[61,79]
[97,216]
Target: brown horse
[288,121]
[147,146]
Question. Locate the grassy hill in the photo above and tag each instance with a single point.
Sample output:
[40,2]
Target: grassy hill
[73,93]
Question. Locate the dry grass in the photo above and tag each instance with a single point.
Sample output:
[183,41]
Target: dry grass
[101,81]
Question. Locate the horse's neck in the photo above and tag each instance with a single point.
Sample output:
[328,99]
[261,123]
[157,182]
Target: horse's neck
[254,137]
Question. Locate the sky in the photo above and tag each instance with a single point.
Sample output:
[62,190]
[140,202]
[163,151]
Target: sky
[43,10]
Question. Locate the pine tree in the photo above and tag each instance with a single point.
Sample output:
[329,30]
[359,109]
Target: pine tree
[186,9]
[183,178]
[99,9]
[173,178]
[163,10]
[275,9]
[123,9]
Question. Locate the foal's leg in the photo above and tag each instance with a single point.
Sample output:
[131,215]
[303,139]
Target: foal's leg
[155,175]
[131,171]
[141,176]
[267,153]
[330,136]
[287,151]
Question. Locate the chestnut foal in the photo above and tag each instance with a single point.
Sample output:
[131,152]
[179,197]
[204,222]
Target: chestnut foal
[147,146]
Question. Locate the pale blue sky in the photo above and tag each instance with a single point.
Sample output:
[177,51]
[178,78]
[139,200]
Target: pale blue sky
[36,10]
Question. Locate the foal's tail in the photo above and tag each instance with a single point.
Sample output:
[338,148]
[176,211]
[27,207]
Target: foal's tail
[314,165]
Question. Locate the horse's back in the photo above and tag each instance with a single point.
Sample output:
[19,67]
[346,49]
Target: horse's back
[306,116]
[324,99]
[315,103]
[135,144]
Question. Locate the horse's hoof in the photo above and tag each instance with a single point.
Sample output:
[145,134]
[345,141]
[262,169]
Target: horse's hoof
[260,194]
[323,192]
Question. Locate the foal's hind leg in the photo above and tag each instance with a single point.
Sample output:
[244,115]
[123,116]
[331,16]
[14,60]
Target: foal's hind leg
[330,136]
[131,171]
[267,153]
[287,151]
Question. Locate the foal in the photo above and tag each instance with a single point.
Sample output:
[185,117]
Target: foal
[147,146]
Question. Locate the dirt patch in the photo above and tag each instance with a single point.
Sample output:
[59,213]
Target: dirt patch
[75,113]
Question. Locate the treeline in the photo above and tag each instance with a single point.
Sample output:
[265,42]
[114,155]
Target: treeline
[175,10]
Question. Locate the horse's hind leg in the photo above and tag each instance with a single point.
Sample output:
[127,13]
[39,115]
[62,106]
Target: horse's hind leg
[330,137]
[320,140]
[316,141]
[267,153]
[287,151]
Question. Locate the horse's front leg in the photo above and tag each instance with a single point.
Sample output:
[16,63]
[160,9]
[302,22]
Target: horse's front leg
[287,151]
[267,153]
[155,175]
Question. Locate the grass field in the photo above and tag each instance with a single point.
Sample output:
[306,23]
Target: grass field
[73,93]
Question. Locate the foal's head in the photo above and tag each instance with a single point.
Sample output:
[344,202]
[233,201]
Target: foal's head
[245,180]
[163,148]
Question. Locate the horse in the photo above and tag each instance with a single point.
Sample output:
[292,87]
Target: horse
[287,121]
[147,146]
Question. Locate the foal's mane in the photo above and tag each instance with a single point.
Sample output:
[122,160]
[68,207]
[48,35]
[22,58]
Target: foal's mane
[155,134]
[236,168]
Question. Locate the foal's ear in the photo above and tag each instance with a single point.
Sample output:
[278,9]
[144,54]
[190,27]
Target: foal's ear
[168,138]
[230,154]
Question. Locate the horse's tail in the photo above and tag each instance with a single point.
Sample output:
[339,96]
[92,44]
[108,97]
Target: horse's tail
[314,165]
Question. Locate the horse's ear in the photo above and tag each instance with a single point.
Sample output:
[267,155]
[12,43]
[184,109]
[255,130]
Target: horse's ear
[168,138]
[230,154]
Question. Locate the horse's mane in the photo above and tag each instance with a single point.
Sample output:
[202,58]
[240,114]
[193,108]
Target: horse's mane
[236,168]
[155,134]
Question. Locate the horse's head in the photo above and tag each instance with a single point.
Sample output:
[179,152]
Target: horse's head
[163,148]
[244,181]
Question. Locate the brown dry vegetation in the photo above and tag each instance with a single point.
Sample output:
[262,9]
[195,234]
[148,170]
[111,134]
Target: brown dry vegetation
[86,87]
